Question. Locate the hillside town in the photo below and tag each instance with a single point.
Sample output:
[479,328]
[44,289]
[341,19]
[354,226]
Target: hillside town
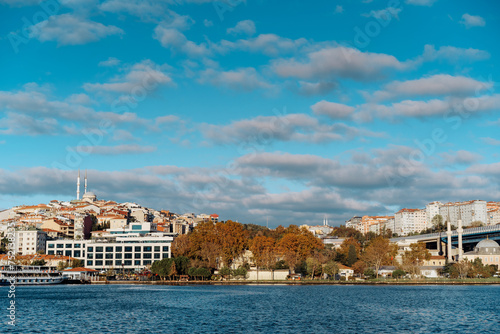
[105,236]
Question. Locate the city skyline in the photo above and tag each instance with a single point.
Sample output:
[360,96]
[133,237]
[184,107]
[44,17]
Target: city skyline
[251,110]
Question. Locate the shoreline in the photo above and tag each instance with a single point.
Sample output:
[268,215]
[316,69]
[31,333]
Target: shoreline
[290,283]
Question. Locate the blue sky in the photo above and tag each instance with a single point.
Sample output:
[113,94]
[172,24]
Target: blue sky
[251,109]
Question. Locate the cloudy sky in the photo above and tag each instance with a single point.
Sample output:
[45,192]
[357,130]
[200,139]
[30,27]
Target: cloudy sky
[253,110]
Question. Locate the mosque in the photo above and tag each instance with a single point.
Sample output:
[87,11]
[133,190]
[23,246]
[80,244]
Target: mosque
[487,250]
[87,196]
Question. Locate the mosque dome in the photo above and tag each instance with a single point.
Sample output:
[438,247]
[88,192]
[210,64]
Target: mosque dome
[89,196]
[487,246]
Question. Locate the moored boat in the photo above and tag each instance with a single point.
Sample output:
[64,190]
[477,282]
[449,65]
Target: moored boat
[29,275]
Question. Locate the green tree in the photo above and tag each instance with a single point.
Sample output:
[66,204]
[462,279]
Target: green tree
[312,265]
[352,257]
[331,268]
[437,223]
[38,263]
[398,273]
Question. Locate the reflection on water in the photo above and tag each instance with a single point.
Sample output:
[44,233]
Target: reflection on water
[254,309]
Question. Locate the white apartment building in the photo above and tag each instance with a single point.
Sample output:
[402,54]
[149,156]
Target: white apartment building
[29,242]
[432,209]
[409,221]
[494,216]
[469,212]
[127,252]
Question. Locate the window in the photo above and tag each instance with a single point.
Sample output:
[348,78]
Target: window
[165,248]
[90,249]
[69,245]
[60,245]
[137,255]
[146,262]
[50,252]
[59,252]
[98,256]
[78,245]
[118,248]
[109,255]
[128,255]
[128,248]
[118,262]
[128,262]
[137,262]
[118,256]
[98,263]
[98,249]
[77,253]
[90,256]
[51,245]
[109,249]
[165,255]
[147,256]
[157,256]
[136,227]
[89,263]
[157,248]
[137,248]
[147,248]
[109,262]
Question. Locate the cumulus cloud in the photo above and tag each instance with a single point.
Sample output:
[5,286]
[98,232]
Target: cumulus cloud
[246,79]
[491,141]
[338,62]
[453,54]
[145,75]
[470,21]
[436,85]
[246,27]
[264,130]
[268,44]
[384,14]
[332,109]
[427,3]
[111,61]
[115,150]
[67,29]
[172,38]
[307,88]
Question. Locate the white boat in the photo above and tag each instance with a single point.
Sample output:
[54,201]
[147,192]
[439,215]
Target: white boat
[29,275]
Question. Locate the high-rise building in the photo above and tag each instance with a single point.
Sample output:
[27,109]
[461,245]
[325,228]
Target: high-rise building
[469,212]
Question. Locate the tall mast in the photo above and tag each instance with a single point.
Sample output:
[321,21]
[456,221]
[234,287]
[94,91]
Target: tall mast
[85,182]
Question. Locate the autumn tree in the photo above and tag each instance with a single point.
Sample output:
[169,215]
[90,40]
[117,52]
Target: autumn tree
[343,252]
[232,239]
[297,245]
[181,246]
[204,244]
[378,253]
[312,265]
[263,250]
[331,268]
[413,258]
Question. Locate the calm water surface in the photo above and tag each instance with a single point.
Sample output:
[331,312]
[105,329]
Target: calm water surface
[253,309]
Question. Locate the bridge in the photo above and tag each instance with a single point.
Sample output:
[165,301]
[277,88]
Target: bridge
[470,237]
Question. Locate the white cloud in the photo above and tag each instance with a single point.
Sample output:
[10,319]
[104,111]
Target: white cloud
[339,9]
[436,85]
[79,99]
[246,27]
[472,21]
[421,2]
[268,44]
[312,88]
[145,75]
[332,109]
[207,23]
[453,54]
[111,61]
[384,14]
[343,62]
[172,38]
[67,29]
[240,79]
[115,150]
[491,141]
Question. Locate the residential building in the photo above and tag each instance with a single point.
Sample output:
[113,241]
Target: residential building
[30,241]
[431,210]
[354,222]
[469,212]
[409,221]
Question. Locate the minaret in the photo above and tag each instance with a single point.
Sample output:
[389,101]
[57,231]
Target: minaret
[85,182]
[78,186]
[448,233]
[460,231]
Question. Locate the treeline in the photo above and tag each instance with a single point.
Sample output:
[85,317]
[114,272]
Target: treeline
[217,245]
